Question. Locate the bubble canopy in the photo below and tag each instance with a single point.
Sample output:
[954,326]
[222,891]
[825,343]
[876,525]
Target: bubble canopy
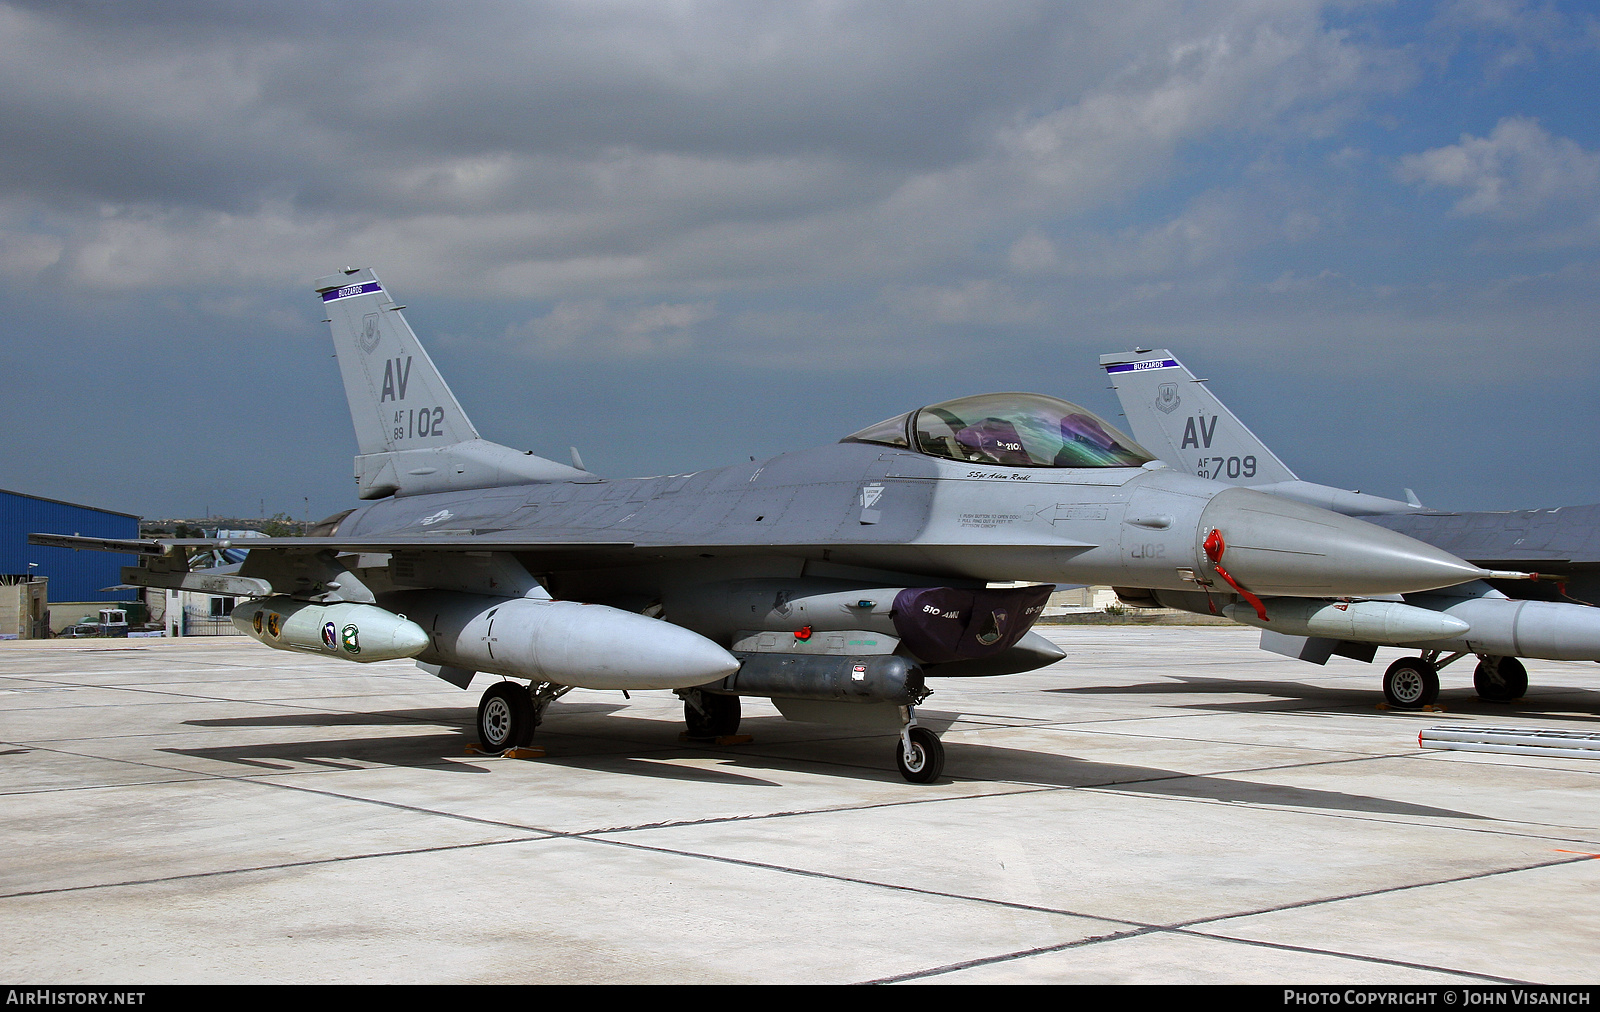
[1011,430]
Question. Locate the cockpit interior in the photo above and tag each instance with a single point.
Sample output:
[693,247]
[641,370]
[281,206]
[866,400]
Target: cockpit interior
[1011,430]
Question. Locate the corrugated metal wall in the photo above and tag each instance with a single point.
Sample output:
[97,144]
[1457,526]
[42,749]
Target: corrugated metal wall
[74,576]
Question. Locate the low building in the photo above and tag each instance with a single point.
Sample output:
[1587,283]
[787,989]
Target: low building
[80,583]
[24,607]
[1067,600]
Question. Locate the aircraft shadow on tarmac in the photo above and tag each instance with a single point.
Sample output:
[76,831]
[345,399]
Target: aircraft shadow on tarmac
[862,758]
[453,715]
[591,737]
[413,751]
[1554,703]
[436,750]
[1072,771]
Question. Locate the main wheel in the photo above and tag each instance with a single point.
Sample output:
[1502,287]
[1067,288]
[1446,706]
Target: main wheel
[1410,683]
[927,757]
[1500,679]
[505,717]
[721,716]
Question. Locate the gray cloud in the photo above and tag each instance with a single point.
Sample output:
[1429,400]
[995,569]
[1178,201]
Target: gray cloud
[554,149]
[863,206]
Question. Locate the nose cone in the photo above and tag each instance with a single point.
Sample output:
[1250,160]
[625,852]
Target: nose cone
[599,647]
[684,657]
[1284,548]
[408,639]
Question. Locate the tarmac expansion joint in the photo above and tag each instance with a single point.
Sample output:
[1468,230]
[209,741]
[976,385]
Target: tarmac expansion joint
[722,739]
[524,752]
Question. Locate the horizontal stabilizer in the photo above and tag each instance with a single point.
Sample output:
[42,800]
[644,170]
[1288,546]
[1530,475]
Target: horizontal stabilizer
[224,584]
[512,541]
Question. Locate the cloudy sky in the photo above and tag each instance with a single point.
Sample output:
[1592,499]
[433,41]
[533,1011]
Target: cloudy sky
[679,234]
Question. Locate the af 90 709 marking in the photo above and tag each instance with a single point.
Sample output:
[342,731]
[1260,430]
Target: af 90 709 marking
[1234,467]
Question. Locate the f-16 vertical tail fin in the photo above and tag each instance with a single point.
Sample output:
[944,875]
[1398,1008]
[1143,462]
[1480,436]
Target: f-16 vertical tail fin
[1177,418]
[412,436]
[398,400]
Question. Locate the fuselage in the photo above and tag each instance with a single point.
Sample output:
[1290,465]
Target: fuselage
[893,511]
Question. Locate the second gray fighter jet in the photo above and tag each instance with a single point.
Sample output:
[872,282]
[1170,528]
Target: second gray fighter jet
[1177,415]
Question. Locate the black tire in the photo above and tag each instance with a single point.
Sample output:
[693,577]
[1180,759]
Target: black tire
[928,762]
[505,717]
[721,716]
[1410,683]
[1500,679]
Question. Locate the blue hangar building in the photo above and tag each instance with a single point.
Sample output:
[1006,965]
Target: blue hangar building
[74,576]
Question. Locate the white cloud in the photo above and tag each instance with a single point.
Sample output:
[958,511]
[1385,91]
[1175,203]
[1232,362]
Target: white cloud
[1515,33]
[594,328]
[1250,71]
[978,301]
[1212,229]
[1519,171]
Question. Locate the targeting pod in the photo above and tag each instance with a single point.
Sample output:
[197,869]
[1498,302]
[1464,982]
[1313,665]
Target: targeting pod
[354,632]
[939,625]
[884,678]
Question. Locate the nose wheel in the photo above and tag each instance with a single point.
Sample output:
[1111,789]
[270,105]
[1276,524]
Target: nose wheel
[920,756]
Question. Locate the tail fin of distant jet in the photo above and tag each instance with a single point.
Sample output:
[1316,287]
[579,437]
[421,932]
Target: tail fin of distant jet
[411,434]
[1177,418]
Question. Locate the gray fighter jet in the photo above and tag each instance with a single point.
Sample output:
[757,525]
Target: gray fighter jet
[1184,423]
[836,581]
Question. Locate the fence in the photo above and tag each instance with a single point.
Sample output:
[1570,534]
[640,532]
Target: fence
[202,622]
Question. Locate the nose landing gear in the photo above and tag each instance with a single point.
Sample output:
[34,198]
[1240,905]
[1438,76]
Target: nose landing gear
[921,753]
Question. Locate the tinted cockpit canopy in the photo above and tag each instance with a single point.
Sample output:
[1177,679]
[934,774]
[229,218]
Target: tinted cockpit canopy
[1012,430]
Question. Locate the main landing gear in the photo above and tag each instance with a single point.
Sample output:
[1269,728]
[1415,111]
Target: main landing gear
[1412,683]
[1500,679]
[509,712]
[710,714]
